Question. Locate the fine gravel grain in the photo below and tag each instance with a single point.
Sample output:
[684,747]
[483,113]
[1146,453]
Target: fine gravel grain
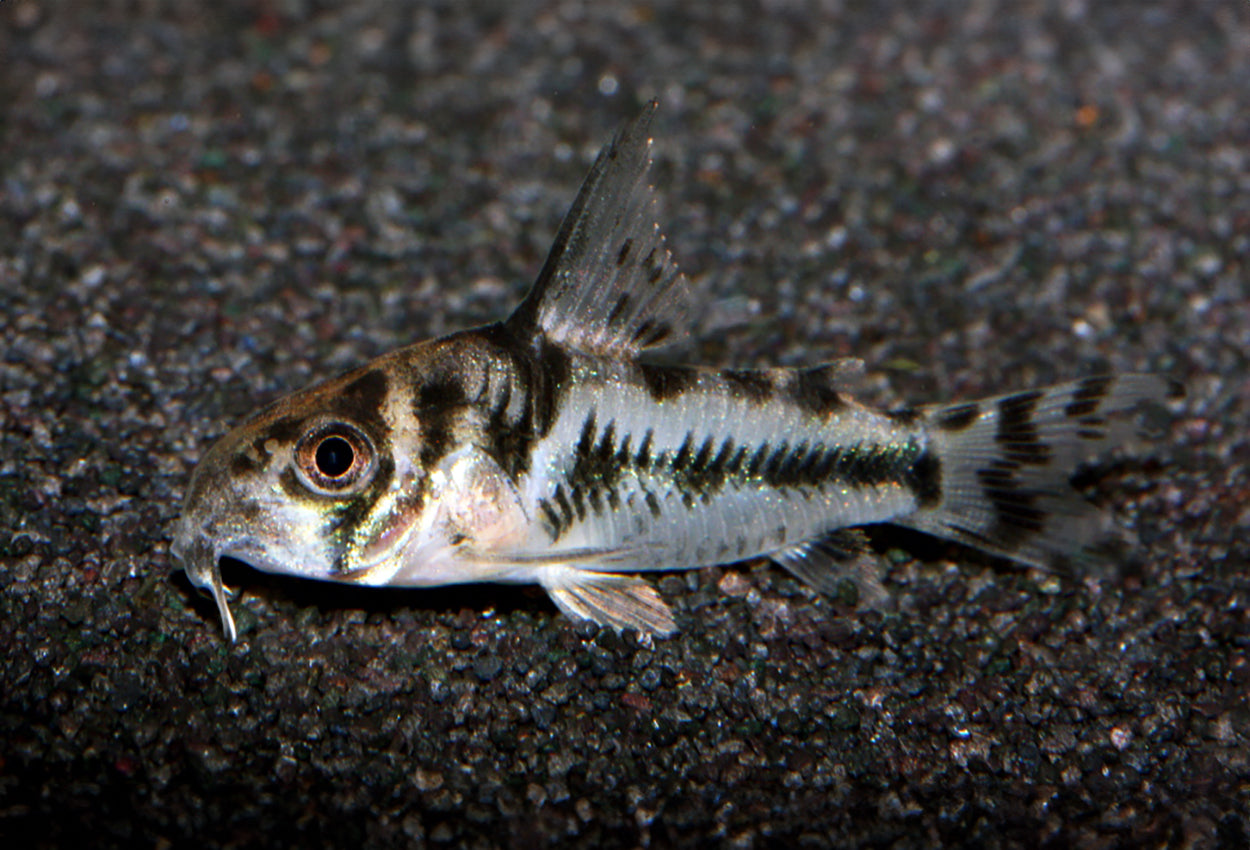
[206,205]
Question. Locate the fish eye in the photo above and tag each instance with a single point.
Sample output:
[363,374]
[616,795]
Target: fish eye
[334,457]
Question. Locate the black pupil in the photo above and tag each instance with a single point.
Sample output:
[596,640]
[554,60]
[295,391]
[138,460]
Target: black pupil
[334,457]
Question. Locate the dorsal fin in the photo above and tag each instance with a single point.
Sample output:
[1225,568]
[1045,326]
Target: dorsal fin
[609,285]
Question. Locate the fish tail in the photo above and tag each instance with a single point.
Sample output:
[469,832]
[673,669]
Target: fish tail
[1007,465]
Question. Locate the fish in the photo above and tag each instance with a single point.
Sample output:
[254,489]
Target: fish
[554,448]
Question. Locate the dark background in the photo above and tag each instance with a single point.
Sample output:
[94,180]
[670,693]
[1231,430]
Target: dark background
[206,205]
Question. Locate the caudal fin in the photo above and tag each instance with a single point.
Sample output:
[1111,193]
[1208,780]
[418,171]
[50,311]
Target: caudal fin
[1007,464]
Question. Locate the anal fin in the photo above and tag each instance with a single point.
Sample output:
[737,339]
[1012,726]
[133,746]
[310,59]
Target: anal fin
[835,564]
[609,599]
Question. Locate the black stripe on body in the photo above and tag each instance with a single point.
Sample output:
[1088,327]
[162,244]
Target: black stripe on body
[599,461]
[547,375]
[508,435]
[438,404]
[702,467]
[438,435]
[516,406]
[550,518]
[642,460]
[540,379]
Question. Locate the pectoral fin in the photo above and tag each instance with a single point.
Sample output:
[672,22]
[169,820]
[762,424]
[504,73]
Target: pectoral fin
[609,599]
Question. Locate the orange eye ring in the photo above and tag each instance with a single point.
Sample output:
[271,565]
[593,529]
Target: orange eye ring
[335,457]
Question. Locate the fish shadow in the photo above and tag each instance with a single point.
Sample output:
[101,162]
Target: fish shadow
[281,592]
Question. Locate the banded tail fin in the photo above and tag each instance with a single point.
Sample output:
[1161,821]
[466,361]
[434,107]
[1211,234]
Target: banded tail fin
[1007,464]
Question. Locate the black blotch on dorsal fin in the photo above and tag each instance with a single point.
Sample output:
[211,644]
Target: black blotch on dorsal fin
[609,285]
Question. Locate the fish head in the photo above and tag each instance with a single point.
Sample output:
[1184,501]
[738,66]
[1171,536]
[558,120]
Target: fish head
[310,486]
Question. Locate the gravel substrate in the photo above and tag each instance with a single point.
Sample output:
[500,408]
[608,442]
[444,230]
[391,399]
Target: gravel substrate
[206,205]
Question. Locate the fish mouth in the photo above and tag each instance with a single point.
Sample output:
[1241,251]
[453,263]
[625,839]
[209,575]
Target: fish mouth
[202,564]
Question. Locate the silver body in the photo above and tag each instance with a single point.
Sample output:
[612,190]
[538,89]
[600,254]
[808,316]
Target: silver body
[547,449]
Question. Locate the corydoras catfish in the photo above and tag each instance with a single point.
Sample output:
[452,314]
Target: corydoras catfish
[547,449]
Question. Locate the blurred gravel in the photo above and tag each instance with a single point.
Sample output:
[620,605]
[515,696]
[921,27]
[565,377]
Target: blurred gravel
[207,205]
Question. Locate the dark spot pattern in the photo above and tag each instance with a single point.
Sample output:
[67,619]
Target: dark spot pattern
[550,518]
[562,501]
[814,391]
[287,429]
[682,457]
[1087,397]
[547,376]
[438,406]
[642,460]
[1017,430]
[245,463]
[704,465]
[1017,514]
[924,478]
[1086,400]
[362,401]
[958,417]
[818,465]
[348,514]
[667,382]
[618,309]
[291,485]
[599,460]
[531,377]
[440,391]
[905,417]
[752,386]
[651,332]
[586,439]
[654,266]
[622,256]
